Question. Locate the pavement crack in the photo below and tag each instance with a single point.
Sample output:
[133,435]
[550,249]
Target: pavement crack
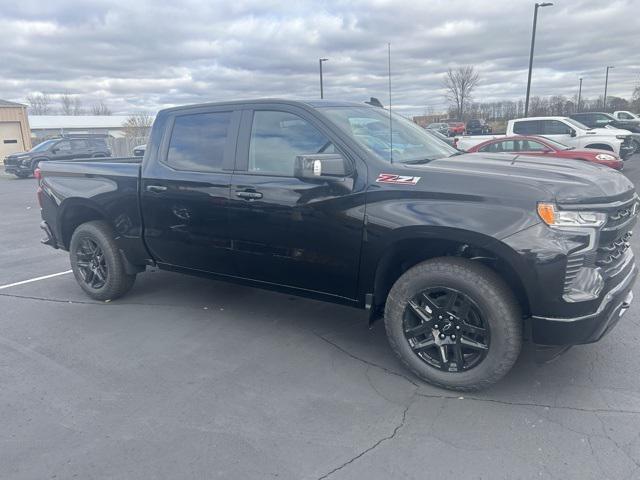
[374,446]
[366,362]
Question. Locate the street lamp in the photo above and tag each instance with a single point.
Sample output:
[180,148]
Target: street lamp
[606,81]
[579,94]
[533,42]
[321,88]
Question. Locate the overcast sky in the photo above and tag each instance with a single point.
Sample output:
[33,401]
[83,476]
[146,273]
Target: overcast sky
[143,55]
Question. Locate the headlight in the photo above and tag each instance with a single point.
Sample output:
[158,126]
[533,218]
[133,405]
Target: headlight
[605,156]
[569,218]
[622,137]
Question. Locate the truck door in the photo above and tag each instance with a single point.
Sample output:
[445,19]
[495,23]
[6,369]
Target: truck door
[62,151]
[289,231]
[185,190]
[558,131]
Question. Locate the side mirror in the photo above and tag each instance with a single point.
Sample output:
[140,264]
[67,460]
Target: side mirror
[320,165]
[572,133]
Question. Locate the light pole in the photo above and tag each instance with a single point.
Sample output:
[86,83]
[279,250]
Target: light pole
[606,81]
[579,94]
[321,87]
[533,42]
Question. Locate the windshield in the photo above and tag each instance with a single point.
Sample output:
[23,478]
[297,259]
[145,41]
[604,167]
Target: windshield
[369,127]
[576,123]
[43,146]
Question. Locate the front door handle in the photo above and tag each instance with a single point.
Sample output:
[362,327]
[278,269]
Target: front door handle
[249,195]
[156,188]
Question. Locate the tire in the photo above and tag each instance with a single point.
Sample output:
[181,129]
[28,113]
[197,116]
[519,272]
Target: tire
[490,297]
[110,263]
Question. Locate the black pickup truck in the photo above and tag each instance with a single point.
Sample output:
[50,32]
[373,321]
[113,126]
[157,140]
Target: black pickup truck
[463,255]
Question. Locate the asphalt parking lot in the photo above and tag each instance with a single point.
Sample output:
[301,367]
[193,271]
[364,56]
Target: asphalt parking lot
[191,378]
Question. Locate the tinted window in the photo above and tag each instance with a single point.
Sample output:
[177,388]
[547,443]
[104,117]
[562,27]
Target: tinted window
[626,116]
[79,144]
[554,127]
[63,146]
[278,137]
[527,127]
[198,141]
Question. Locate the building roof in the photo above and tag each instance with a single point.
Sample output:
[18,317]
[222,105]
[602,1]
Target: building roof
[46,122]
[6,103]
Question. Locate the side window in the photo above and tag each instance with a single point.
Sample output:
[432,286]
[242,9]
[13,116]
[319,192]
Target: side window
[492,147]
[625,116]
[554,127]
[509,146]
[601,119]
[79,144]
[63,146]
[527,127]
[198,141]
[278,137]
[531,146]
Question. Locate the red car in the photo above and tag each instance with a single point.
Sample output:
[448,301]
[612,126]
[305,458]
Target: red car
[541,146]
[456,128]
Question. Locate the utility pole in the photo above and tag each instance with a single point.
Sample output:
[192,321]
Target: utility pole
[533,43]
[606,81]
[579,94]
[321,86]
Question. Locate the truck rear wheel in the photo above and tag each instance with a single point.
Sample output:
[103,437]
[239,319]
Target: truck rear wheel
[96,262]
[454,323]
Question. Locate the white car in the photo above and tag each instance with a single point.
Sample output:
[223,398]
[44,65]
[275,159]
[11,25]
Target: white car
[564,130]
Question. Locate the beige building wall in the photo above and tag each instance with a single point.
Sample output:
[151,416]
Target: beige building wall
[14,125]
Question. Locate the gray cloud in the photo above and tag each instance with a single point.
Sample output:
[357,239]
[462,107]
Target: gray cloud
[144,55]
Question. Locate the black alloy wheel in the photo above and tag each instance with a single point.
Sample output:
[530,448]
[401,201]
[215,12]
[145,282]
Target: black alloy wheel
[91,263]
[446,329]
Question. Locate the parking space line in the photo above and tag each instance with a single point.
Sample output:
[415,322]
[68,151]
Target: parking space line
[2,287]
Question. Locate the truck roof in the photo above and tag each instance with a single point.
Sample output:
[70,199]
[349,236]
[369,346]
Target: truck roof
[307,103]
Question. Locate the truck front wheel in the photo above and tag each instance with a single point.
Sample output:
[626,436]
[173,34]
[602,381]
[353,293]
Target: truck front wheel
[96,262]
[454,323]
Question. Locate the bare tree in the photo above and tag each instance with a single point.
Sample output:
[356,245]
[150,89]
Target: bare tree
[66,103]
[635,98]
[138,125]
[460,84]
[39,104]
[100,109]
[77,107]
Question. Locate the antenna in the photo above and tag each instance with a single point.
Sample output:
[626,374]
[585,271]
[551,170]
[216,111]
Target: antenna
[390,120]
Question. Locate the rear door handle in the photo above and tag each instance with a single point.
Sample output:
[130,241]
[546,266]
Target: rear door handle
[249,195]
[156,188]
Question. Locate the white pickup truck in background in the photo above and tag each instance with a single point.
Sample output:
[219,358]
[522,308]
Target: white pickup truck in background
[564,130]
[626,115]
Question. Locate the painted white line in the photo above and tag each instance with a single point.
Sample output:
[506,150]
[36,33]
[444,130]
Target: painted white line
[2,287]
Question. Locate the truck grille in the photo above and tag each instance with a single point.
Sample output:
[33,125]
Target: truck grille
[10,161]
[608,255]
[574,264]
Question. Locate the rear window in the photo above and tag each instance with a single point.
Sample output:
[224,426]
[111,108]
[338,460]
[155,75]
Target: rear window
[198,141]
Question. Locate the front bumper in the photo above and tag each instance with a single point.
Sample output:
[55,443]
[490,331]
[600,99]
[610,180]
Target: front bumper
[586,328]
[16,168]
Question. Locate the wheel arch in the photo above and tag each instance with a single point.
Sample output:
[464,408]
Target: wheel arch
[413,247]
[600,146]
[73,213]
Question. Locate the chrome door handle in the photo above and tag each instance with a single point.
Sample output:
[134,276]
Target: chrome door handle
[156,188]
[249,195]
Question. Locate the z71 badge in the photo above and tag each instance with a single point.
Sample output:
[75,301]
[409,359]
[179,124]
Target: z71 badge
[397,179]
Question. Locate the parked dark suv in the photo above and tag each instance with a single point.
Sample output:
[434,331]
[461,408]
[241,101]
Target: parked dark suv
[23,164]
[477,127]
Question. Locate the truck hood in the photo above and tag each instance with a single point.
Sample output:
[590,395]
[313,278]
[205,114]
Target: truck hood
[565,181]
[19,154]
[608,131]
